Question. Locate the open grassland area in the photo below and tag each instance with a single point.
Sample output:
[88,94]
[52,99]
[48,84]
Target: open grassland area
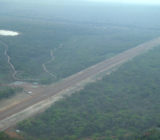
[63,48]
[122,106]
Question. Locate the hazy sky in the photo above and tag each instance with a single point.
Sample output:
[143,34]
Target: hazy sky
[139,2]
[129,1]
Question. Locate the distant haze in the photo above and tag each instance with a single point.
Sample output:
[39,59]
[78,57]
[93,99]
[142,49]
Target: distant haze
[150,2]
[129,1]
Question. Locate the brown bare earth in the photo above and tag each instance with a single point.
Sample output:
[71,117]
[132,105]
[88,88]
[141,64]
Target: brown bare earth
[11,132]
[42,97]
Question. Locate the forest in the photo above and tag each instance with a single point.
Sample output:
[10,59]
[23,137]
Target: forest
[88,43]
[122,106]
[67,38]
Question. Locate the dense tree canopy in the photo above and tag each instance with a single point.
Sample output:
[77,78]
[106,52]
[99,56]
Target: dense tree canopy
[121,106]
[74,46]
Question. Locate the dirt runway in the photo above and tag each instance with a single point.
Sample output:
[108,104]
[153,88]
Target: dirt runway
[49,91]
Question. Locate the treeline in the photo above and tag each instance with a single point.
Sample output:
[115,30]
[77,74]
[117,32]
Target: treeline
[6,92]
[120,107]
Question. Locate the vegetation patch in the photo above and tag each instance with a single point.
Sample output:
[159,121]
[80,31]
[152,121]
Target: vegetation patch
[74,47]
[121,106]
[4,136]
[6,91]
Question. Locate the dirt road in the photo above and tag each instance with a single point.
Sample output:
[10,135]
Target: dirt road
[12,67]
[12,113]
[48,62]
[9,60]
[44,65]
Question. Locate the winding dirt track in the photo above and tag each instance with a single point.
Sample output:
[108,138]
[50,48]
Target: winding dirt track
[45,69]
[13,69]
[77,78]
[48,62]
[9,60]
[15,72]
